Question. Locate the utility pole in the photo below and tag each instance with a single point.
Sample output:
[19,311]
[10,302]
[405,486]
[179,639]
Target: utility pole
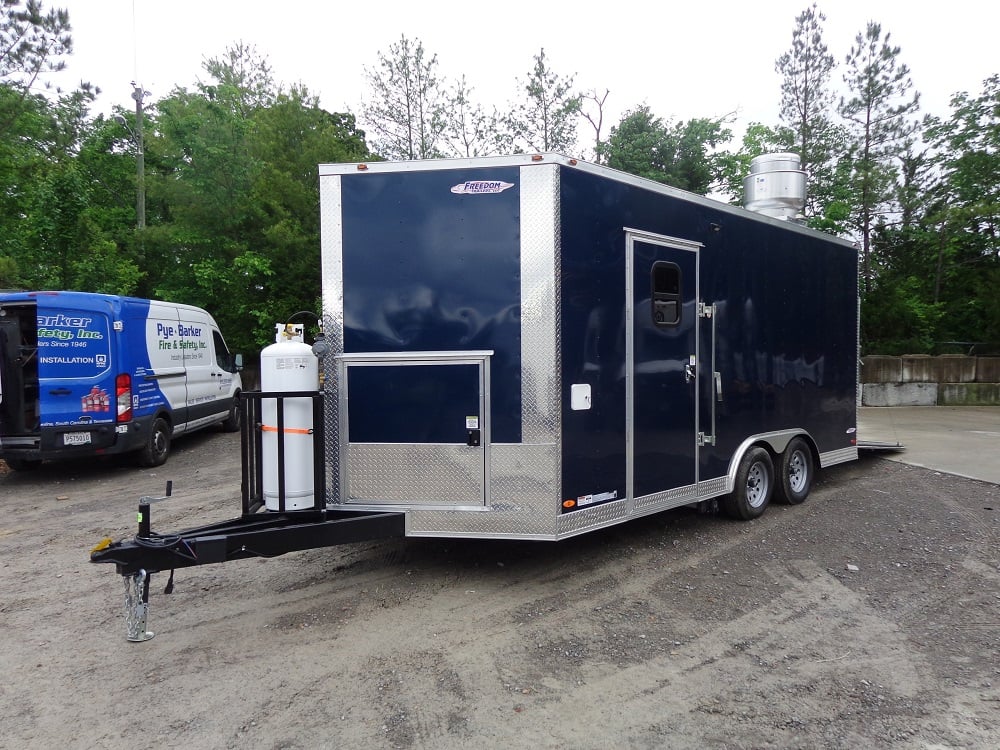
[140,168]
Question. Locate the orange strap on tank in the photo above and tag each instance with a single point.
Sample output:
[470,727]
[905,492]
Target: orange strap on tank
[290,430]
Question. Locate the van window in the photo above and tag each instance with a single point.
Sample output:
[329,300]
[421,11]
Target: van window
[222,355]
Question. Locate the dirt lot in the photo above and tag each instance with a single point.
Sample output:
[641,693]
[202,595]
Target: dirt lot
[680,630]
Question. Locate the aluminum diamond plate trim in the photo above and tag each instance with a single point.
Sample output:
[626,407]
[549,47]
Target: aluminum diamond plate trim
[831,458]
[713,488]
[540,233]
[666,499]
[524,502]
[580,521]
[332,271]
[403,473]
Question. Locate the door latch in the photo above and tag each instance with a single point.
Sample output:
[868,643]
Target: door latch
[689,371]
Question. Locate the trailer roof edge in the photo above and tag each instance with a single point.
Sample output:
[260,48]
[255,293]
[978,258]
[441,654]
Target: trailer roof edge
[517,160]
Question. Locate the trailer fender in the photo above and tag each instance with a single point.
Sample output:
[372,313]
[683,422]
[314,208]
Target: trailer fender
[775,442]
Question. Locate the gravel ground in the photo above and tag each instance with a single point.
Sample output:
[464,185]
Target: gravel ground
[867,617]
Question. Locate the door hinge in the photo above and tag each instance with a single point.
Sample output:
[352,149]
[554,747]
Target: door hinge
[704,439]
[706,311]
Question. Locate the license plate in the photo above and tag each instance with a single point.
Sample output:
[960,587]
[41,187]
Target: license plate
[76,438]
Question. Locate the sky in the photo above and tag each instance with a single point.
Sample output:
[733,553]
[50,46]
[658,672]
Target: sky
[702,58]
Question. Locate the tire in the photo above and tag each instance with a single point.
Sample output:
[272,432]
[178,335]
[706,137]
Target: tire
[235,419]
[157,447]
[795,472]
[754,486]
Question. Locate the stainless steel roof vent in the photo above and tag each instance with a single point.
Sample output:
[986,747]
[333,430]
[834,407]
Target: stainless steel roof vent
[775,186]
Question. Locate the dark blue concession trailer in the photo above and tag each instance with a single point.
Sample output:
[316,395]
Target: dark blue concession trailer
[532,347]
[536,347]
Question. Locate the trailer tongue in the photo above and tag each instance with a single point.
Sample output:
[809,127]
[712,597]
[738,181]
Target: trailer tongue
[253,533]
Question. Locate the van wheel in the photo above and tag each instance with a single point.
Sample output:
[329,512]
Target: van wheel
[754,485]
[157,447]
[795,472]
[235,419]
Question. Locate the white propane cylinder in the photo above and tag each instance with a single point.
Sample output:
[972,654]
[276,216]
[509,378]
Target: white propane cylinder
[288,366]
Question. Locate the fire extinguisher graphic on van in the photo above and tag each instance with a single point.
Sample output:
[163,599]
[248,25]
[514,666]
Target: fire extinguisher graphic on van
[96,400]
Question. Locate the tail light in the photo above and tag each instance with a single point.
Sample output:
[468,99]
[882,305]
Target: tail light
[123,397]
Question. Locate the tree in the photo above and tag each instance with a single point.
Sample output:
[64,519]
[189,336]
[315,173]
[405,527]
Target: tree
[234,196]
[32,42]
[407,109]
[545,120]
[466,129]
[243,80]
[595,101]
[681,155]
[878,111]
[806,100]
[966,219]
[52,203]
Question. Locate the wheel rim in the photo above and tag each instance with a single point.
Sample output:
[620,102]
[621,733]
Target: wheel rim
[757,485]
[798,471]
[159,443]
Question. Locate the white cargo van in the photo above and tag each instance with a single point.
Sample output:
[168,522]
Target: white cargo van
[85,374]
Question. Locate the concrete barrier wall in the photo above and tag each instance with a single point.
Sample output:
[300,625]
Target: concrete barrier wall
[923,380]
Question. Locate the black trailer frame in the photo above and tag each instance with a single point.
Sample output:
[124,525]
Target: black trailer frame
[253,533]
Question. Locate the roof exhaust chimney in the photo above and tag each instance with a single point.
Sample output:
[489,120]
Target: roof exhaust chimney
[775,186]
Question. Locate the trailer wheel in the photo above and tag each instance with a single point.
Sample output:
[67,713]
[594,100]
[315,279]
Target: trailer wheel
[157,447]
[754,485]
[795,472]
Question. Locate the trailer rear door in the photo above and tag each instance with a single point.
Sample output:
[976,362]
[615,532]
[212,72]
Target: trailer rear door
[661,360]
[415,428]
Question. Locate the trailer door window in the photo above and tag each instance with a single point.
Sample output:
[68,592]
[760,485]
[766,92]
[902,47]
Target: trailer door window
[665,296]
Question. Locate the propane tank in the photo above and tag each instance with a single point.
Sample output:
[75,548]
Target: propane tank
[288,365]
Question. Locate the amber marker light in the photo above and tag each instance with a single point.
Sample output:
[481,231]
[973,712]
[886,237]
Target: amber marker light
[569,503]
[536,157]
[362,167]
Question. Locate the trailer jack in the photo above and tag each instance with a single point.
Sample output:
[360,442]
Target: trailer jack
[136,606]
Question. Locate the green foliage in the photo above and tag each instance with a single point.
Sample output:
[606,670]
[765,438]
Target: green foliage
[101,268]
[33,42]
[10,277]
[234,196]
[896,319]
[806,98]
[878,111]
[679,155]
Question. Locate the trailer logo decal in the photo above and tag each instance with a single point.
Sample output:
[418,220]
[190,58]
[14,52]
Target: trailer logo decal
[481,187]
